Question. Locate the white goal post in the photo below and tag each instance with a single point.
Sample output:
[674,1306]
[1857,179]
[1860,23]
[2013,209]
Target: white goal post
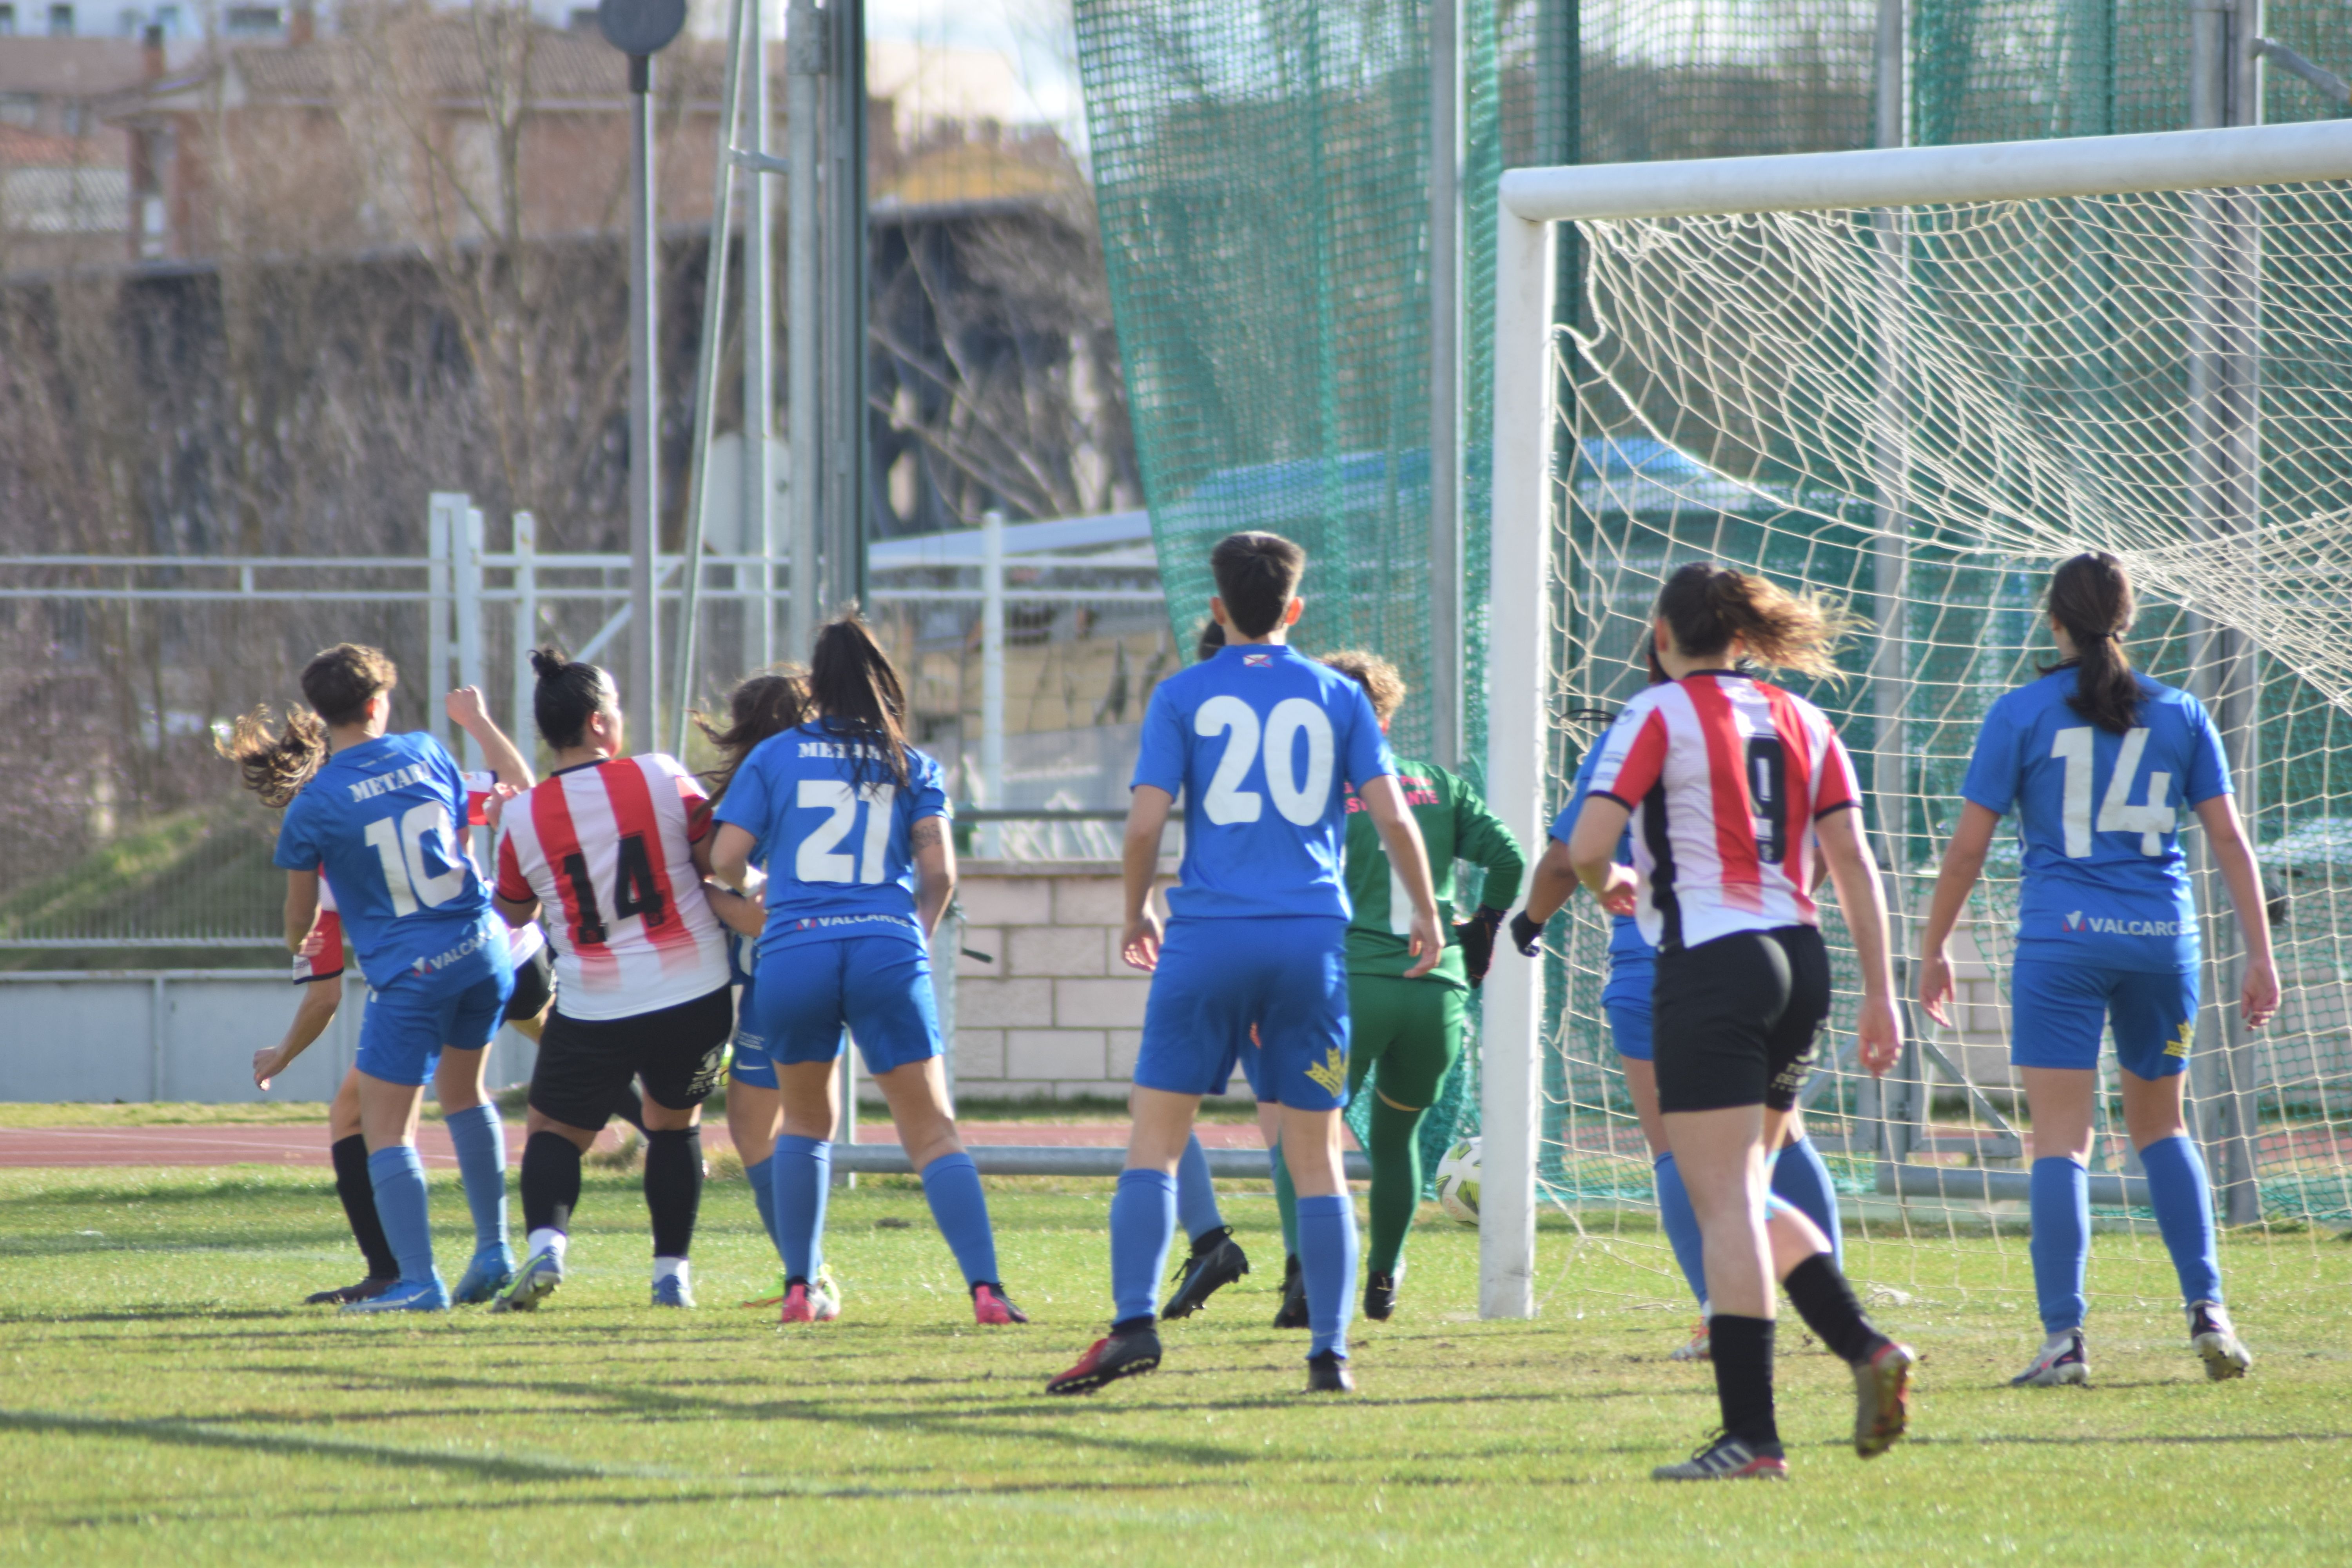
[1525,489]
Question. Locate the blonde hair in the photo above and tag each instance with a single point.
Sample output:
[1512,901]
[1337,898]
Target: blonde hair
[1376,675]
[1707,605]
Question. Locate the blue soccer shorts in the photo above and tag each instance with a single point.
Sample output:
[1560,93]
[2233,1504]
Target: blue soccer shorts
[2058,1010]
[877,987]
[750,1063]
[1629,1028]
[409,1021]
[1286,975]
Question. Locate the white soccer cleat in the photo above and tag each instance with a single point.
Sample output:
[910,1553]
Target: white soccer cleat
[2216,1338]
[2061,1360]
[1697,1348]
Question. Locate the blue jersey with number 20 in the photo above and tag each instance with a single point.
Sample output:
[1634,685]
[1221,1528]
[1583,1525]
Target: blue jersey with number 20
[383,819]
[838,854]
[2098,817]
[1262,744]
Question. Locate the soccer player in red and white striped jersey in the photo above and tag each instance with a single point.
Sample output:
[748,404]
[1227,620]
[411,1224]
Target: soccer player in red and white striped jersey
[611,846]
[1733,787]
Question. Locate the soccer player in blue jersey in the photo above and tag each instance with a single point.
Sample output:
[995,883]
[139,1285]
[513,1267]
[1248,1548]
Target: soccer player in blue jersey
[851,823]
[2097,762]
[1800,1175]
[1263,742]
[383,816]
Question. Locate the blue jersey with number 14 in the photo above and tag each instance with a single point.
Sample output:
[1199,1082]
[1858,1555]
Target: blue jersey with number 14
[838,852]
[382,820]
[1262,744]
[2098,814]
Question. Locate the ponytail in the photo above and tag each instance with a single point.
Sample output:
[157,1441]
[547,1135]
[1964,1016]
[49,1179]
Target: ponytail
[1707,605]
[569,693]
[853,685]
[2091,596]
[765,704]
[275,767]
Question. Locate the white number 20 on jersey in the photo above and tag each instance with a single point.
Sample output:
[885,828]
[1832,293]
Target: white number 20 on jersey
[820,857]
[1299,800]
[2116,814]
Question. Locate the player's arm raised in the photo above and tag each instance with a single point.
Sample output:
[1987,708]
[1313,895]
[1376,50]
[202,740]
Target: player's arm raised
[470,713]
[1147,819]
[1401,836]
[935,870]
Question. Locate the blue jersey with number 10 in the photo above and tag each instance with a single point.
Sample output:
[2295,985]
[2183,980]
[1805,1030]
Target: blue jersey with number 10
[382,820]
[839,855]
[2098,814]
[1264,743]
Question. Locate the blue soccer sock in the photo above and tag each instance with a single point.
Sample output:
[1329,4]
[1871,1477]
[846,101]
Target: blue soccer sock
[763,1177]
[1142,1215]
[398,1177]
[2182,1196]
[952,1186]
[1327,1256]
[1196,1192]
[1680,1222]
[2060,1201]
[481,1144]
[1800,1175]
[803,1170]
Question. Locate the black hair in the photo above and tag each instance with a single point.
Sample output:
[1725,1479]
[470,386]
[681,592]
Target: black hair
[1257,576]
[765,704]
[852,684]
[1705,605]
[571,692]
[2091,596]
[1211,642]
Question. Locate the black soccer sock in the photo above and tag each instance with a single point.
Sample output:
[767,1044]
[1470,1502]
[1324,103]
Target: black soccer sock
[1826,1302]
[1742,1349]
[673,1187]
[551,1182]
[357,1189]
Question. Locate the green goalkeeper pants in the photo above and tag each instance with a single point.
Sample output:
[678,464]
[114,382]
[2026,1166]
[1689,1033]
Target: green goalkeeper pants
[1411,1030]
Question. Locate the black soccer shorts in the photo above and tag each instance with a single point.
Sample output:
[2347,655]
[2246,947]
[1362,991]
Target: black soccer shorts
[1737,1021]
[586,1063]
[534,980]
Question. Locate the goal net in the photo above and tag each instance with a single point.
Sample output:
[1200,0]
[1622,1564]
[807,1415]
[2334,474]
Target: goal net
[1916,383]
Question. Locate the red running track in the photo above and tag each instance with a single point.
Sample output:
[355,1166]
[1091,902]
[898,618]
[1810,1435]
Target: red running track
[295,1145]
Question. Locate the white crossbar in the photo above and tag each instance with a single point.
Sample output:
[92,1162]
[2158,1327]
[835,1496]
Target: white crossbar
[1910,176]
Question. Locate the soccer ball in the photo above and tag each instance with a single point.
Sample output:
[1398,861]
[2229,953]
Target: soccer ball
[1457,1181]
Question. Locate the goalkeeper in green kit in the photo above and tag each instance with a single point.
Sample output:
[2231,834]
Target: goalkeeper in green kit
[1410,1030]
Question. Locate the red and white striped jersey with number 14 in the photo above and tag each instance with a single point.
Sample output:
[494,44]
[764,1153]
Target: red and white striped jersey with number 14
[607,850]
[1725,777]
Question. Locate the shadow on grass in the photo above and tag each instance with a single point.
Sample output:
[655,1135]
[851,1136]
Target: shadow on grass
[200,1435]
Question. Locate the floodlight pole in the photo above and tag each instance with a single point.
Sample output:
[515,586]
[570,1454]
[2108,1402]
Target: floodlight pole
[805,63]
[1445,382]
[843,280]
[642,699]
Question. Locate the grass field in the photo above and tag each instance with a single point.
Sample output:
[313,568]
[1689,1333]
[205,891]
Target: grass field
[163,1403]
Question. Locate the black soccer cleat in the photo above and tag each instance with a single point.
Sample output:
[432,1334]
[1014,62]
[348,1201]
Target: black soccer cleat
[1293,1312]
[1379,1297]
[1122,1353]
[1328,1373]
[367,1289]
[1217,1260]
[1728,1459]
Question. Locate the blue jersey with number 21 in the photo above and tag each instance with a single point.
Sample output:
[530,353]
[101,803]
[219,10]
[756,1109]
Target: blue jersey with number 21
[839,856]
[2097,814]
[382,820]
[1262,744]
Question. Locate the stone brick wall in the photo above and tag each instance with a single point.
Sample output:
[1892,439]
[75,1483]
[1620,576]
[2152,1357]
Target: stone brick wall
[1056,1014]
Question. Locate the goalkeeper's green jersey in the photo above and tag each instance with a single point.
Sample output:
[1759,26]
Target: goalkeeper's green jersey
[1457,825]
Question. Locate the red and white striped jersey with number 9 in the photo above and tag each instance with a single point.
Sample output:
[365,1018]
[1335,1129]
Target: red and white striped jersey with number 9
[607,850]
